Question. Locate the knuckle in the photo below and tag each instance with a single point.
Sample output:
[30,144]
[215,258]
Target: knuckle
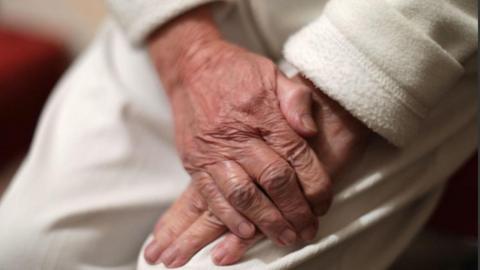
[207,188]
[197,206]
[302,213]
[297,152]
[270,219]
[196,203]
[213,221]
[297,211]
[166,233]
[221,208]
[249,104]
[301,90]
[185,149]
[242,195]
[276,177]
[211,194]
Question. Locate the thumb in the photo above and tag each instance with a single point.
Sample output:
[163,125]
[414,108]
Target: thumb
[295,100]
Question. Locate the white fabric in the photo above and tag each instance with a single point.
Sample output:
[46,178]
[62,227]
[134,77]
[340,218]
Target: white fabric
[102,169]
[139,18]
[387,61]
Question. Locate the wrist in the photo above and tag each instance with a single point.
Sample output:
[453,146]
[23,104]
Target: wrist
[175,45]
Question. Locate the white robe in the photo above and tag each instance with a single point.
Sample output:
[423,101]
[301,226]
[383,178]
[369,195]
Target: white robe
[102,168]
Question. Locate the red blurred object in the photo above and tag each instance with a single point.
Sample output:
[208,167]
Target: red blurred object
[30,66]
[457,212]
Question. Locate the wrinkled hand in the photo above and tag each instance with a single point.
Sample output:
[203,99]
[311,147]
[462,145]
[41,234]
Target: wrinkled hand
[188,226]
[340,137]
[242,153]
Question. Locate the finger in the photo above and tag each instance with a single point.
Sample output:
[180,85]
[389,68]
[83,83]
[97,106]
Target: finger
[178,218]
[244,195]
[278,180]
[295,100]
[311,174]
[221,208]
[232,248]
[203,231]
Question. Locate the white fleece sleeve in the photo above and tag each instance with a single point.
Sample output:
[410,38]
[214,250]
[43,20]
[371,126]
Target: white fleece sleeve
[387,61]
[139,18]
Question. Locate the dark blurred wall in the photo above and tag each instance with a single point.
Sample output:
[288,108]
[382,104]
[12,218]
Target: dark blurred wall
[30,65]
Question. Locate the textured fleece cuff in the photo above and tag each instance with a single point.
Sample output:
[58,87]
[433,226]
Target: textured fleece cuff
[368,90]
[326,58]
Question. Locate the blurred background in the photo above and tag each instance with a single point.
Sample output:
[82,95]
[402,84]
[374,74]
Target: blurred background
[39,39]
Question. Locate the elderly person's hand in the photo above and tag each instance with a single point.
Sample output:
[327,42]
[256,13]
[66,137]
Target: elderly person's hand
[189,225]
[244,155]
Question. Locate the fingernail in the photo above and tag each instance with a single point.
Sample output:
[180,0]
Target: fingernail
[168,256]
[287,237]
[308,123]
[309,233]
[219,254]
[152,252]
[246,229]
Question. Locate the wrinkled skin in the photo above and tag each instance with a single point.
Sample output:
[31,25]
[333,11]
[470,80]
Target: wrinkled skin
[233,138]
[243,154]
[189,225]
[239,124]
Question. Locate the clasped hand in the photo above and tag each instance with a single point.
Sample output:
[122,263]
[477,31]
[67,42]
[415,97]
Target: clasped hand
[240,128]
